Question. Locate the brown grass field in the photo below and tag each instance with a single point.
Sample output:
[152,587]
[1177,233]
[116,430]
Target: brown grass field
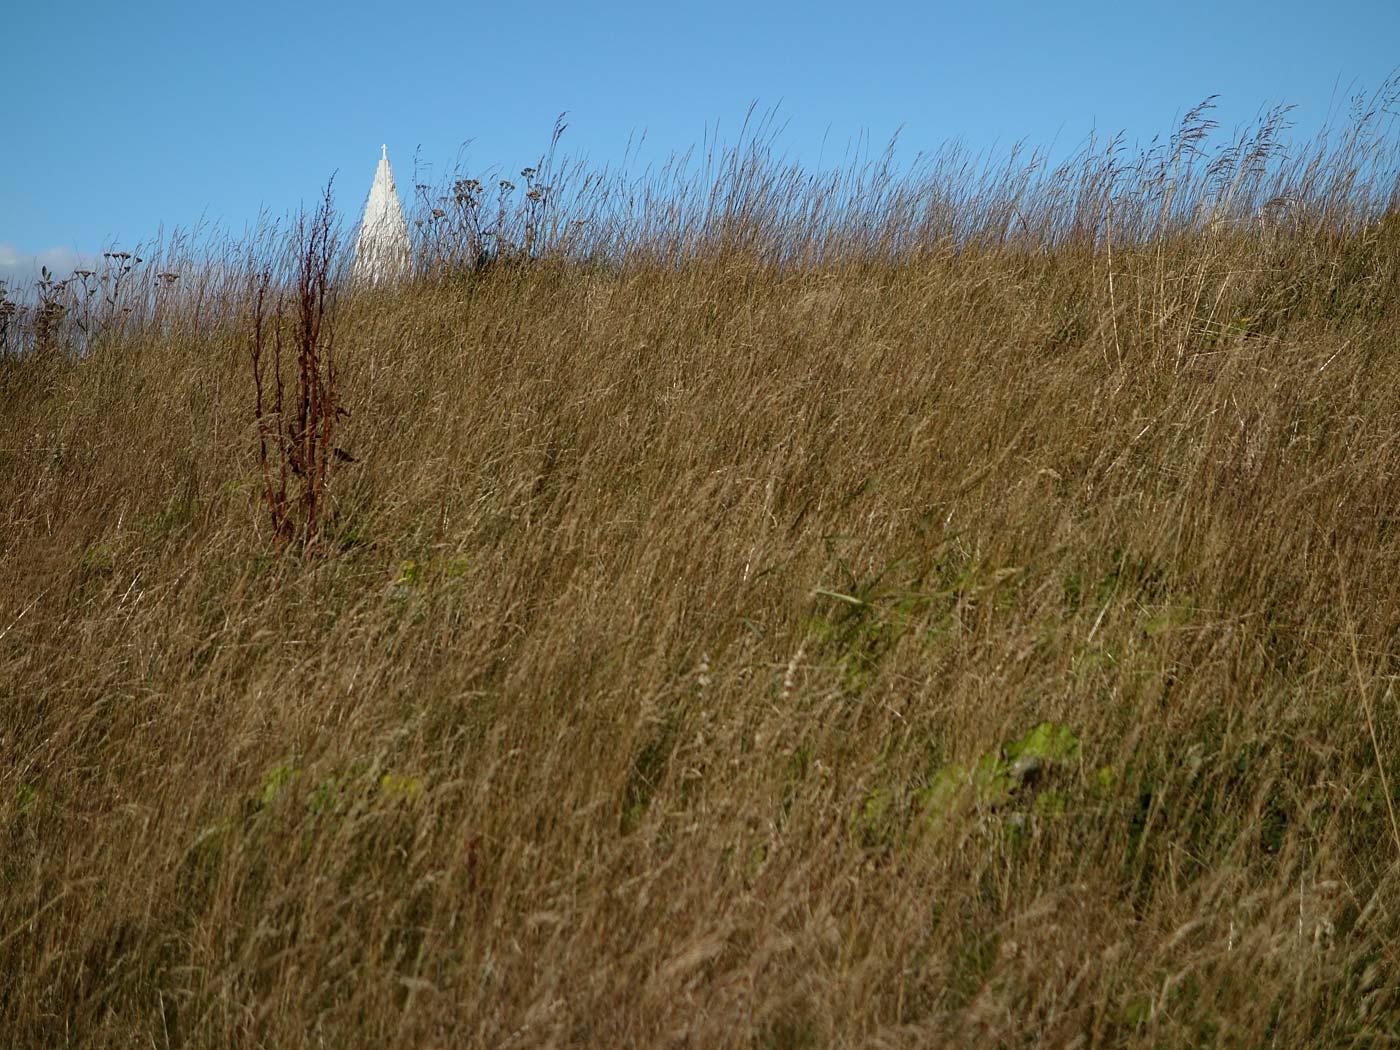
[904,609]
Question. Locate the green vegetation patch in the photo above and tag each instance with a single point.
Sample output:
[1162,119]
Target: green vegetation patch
[1023,779]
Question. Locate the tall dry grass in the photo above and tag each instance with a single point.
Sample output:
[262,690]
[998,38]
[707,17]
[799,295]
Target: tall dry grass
[953,606]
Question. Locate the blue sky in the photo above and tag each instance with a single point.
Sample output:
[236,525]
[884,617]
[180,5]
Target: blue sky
[122,118]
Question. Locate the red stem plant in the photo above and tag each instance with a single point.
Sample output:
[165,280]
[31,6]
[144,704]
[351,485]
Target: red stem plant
[295,442]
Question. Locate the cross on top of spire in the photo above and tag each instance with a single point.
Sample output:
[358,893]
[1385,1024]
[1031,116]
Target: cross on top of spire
[385,155]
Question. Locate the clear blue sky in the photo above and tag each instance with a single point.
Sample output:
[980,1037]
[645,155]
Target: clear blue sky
[121,117]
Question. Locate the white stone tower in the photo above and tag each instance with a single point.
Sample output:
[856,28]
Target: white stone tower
[381,253]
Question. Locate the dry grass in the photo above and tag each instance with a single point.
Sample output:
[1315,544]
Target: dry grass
[678,610]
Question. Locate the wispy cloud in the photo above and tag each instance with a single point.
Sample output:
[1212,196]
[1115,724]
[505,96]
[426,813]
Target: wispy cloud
[22,268]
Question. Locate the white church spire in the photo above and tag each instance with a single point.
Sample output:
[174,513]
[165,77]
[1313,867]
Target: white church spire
[381,253]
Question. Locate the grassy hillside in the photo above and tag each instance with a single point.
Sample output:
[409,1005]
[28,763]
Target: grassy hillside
[980,638]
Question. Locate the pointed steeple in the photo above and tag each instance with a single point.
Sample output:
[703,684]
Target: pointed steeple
[381,253]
